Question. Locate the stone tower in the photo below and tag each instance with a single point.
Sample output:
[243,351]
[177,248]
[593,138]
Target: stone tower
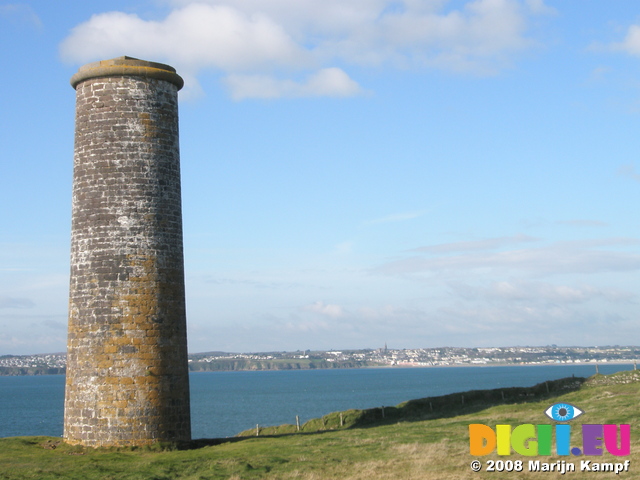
[127,372]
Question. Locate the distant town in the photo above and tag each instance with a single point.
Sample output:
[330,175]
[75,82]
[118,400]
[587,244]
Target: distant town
[55,363]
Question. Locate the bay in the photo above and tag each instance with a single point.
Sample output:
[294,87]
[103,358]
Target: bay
[225,403]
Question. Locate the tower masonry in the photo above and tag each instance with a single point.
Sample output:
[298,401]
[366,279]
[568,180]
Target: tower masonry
[127,372]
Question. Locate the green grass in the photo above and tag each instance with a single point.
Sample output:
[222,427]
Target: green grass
[420,439]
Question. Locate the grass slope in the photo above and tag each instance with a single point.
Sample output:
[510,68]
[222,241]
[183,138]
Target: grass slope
[419,439]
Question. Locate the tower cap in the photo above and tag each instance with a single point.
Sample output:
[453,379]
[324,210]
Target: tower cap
[127,67]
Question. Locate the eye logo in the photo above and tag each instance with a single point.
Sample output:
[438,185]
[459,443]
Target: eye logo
[563,412]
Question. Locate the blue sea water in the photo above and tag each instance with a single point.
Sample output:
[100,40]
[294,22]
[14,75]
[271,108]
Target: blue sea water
[225,403]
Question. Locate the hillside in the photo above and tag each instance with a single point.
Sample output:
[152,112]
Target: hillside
[418,439]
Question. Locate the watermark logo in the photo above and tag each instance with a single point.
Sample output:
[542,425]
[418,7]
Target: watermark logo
[563,412]
[545,439]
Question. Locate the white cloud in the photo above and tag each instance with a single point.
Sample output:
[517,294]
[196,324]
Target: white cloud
[196,36]
[583,223]
[261,45]
[478,38]
[558,258]
[13,302]
[631,43]
[21,13]
[485,244]
[333,311]
[629,171]
[25,334]
[343,248]
[261,283]
[539,8]
[539,293]
[327,82]
[522,324]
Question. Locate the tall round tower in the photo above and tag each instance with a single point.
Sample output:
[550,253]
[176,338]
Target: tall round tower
[127,371]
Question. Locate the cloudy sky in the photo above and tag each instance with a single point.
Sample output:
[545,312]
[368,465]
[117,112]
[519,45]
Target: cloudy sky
[416,172]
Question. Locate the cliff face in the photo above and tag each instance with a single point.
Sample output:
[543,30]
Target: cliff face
[247,364]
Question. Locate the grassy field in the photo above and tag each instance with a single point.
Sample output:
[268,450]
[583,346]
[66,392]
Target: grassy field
[420,439]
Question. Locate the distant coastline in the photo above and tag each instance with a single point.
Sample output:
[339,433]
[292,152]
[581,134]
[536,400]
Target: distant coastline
[15,371]
[24,371]
[55,363]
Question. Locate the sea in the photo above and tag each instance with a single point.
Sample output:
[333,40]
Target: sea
[226,403]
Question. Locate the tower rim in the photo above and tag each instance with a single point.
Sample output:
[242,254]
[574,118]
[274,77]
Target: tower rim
[127,67]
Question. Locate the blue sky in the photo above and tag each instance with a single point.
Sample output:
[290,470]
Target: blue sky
[420,173]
